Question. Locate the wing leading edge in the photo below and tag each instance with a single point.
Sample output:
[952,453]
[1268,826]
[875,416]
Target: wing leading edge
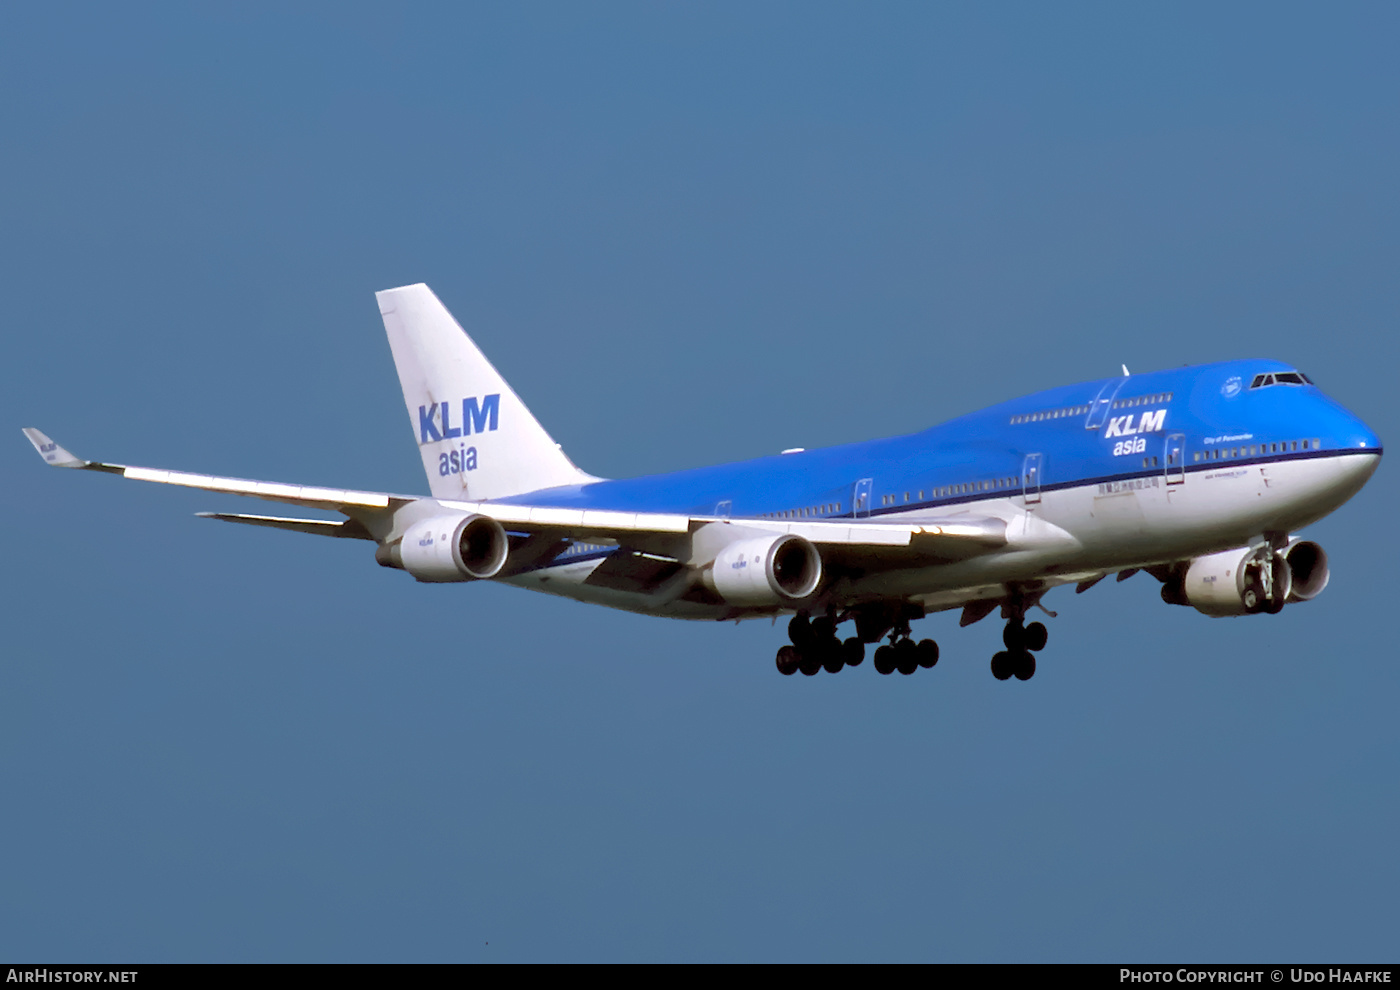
[303,495]
[373,514]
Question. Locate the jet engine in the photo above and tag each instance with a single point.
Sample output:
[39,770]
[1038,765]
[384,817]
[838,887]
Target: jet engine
[773,570]
[1248,580]
[1307,564]
[451,548]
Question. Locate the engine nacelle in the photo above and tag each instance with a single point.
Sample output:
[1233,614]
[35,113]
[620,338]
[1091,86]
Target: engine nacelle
[1247,580]
[1230,582]
[452,548]
[1307,567]
[773,570]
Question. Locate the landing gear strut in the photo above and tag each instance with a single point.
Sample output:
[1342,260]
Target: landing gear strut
[1022,642]
[1266,587]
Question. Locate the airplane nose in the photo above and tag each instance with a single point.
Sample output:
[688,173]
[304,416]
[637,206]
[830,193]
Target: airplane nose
[1362,437]
[1354,471]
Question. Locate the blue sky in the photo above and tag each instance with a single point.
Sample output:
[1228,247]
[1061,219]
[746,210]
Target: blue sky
[686,234]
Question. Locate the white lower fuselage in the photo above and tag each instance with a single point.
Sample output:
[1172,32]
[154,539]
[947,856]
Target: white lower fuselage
[1071,534]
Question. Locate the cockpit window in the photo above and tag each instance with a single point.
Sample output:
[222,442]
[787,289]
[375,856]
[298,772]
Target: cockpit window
[1280,378]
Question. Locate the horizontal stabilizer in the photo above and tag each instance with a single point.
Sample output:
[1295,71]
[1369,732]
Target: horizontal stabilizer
[351,529]
[634,572]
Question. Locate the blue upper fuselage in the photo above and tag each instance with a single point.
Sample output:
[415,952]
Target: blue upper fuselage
[1109,430]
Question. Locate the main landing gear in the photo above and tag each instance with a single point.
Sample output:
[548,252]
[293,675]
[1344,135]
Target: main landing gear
[815,645]
[1022,642]
[906,656]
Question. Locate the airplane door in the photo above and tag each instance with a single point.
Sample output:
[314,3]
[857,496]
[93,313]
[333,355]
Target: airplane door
[860,498]
[1030,478]
[1175,458]
[1103,402]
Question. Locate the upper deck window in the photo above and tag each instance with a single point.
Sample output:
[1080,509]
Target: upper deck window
[1037,417]
[1157,398]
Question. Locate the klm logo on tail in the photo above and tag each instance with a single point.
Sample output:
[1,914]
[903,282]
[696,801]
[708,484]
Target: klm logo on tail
[435,421]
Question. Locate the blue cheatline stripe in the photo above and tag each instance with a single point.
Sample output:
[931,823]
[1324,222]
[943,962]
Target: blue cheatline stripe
[1005,493]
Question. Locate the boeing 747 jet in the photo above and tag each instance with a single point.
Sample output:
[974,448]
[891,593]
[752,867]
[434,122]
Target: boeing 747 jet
[1199,476]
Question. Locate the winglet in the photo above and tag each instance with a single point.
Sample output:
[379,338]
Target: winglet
[51,451]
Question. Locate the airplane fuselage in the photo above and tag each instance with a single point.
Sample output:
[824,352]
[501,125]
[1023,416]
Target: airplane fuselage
[1102,476]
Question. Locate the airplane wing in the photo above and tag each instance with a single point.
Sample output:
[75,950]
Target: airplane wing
[303,495]
[847,542]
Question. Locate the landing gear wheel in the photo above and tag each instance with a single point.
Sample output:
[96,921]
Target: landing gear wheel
[928,653]
[884,660]
[788,660]
[809,664]
[1036,636]
[853,652]
[1014,635]
[823,628]
[906,657]
[1025,665]
[1002,666]
[832,658]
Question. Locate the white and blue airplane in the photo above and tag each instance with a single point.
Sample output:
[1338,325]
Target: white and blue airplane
[1198,476]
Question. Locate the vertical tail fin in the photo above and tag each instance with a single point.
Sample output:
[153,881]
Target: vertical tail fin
[477,439]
